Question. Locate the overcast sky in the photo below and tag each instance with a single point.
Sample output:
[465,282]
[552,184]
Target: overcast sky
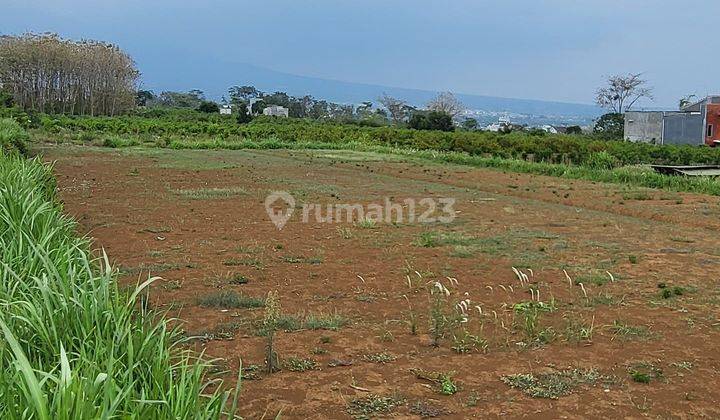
[538,49]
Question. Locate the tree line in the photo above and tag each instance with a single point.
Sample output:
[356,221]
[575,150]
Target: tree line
[47,73]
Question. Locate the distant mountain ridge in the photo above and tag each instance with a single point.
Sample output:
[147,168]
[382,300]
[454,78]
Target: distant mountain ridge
[224,75]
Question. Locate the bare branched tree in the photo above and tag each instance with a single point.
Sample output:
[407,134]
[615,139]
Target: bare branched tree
[446,102]
[622,92]
[50,74]
[396,107]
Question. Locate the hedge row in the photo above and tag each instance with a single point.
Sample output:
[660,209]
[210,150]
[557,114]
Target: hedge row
[548,148]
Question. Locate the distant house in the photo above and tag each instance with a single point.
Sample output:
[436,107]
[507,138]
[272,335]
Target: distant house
[695,124]
[276,111]
[503,124]
[549,129]
[226,110]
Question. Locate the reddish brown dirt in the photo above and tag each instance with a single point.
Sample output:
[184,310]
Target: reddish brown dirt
[126,200]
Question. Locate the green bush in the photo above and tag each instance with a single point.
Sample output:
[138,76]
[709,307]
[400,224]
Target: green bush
[13,137]
[116,142]
[208,107]
[25,119]
[602,160]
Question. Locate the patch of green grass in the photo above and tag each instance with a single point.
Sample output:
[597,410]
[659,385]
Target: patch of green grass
[426,410]
[298,364]
[249,262]
[461,251]
[444,382]
[577,330]
[667,292]
[209,193]
[366,224]
[464,343]
[345,233]
[603,299]
[630,332]
[637,195]
[325,322]
[595,278]
[229,299]
[302,260]
[222,331]
[645,372]
[117,142]
[251,372]
[374,406]
[555,384]
[511,244]
[237,279]
[381,358]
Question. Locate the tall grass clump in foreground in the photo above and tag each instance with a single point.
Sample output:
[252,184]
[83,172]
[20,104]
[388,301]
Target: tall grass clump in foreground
[71,344]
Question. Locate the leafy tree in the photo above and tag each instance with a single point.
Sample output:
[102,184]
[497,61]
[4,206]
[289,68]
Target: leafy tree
[622,92]
[259,106]
[46,73]
[240,94]
[433,120]
[243,116]
[573,129]
[208,107]
[470,124]
[610,126]
[143,97]
[364,110]
[438,120]
[397,108]
[191,99]
[278,98]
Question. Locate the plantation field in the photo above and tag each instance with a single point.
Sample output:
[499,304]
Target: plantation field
[613,309]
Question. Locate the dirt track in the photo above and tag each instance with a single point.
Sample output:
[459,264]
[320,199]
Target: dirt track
[130,202]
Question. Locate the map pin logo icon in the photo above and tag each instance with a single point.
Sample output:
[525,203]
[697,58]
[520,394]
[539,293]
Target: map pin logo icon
[279,217]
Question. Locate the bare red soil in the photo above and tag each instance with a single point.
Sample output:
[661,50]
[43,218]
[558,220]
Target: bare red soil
[130,202]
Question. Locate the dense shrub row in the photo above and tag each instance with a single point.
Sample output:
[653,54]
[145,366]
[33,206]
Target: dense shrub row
[73,344]
[552,148]
[13,137]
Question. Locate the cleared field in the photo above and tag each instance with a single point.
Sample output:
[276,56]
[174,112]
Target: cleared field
[618,315]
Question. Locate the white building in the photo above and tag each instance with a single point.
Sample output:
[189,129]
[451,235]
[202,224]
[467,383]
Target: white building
[226,110]
[548,129]
[502,124]
[276,111]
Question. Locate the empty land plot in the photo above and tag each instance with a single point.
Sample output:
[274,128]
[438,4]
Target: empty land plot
[580,298]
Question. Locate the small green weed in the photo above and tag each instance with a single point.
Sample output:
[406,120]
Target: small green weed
[297,364]
[373,406]
[230,300]
[556,384]
[381,358]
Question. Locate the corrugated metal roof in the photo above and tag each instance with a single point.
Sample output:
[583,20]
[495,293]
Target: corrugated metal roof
[688,170]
